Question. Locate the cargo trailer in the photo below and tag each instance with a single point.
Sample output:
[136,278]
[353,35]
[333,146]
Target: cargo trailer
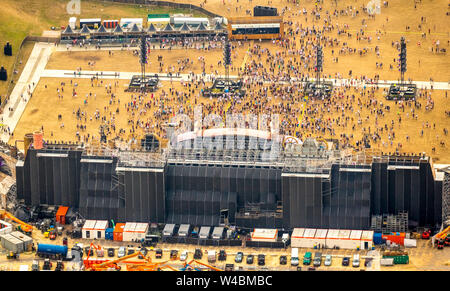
[110,23]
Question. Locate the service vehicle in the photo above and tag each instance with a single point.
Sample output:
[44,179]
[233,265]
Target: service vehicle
[158,253]
[183,256]
[345,261]
[222,255]
[328,259]
[283,260]
[111,252]
[294,257]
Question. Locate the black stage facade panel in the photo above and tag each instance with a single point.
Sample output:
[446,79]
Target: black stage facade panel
[143,192]
[98,192]
[50,177]
[196,193]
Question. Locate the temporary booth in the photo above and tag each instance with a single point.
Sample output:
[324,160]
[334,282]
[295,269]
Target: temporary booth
[93,23]
[297,237]
[367,239]
[73,22]
[129,22]
[320,237]
[263,234]
[110,23]
[307,241]
[128,231]
[100,229]
[88,229]
[355,239]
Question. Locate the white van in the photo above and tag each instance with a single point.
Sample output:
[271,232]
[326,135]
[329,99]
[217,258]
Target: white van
[355,261]
[294,257]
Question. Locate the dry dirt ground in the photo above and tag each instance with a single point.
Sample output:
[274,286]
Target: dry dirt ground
[389,26]
[424,257]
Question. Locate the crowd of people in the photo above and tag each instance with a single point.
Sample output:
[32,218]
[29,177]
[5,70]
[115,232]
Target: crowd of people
[273,77]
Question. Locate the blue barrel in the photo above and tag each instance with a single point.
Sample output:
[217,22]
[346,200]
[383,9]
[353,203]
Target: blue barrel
[52,249]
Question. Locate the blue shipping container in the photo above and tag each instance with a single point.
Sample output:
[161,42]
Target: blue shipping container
[377,239]
[109,233]
[52,249]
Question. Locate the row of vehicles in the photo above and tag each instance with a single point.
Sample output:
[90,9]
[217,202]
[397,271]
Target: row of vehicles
[317,260]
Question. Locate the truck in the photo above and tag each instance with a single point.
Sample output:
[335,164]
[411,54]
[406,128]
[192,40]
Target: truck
[355,262]
[294,257]
[52,251]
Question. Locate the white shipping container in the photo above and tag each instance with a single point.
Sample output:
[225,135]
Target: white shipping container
[307,241]
[355,239]
[320,237]
[88,229]
[263,234]
[367,239]
[99,229]
[297,236]
[140,231]
[128,231]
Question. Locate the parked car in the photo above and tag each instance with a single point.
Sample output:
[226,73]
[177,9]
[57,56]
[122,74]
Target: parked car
[283,260]
[173,254]
[250,259]
[222,255]
[307,258]
[355,263]
[183,256]
[345,261]
[198,254]
[158,253]
[327,260]
[111,252]
[261,260]
[121,252]
[239,256]
[317,259]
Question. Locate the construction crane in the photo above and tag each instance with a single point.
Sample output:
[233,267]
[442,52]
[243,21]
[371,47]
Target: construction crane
[149,266]
[112,264]
[186,265]
[25,227]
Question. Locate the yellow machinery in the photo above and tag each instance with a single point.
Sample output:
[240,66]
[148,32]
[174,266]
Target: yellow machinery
[23,226]
[443,234]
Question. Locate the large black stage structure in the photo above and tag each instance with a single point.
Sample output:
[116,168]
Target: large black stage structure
[267,195]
